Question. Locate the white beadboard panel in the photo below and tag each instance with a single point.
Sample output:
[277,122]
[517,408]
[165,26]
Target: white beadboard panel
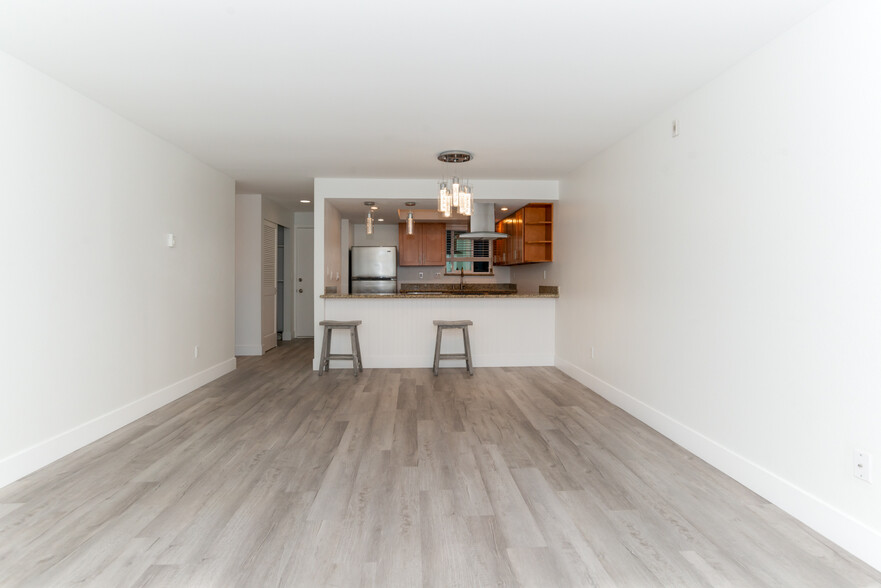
[398,332]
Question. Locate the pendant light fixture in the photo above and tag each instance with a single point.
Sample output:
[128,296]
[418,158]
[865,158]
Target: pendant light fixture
[410,221]
[371,206]
[457,193]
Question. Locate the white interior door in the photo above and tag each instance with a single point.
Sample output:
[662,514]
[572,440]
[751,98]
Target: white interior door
[268,306]
[304,284]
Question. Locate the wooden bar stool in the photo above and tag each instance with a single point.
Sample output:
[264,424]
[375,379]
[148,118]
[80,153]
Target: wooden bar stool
[326,355]
[441,325]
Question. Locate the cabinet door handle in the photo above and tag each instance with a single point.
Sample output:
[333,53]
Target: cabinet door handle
[300,290]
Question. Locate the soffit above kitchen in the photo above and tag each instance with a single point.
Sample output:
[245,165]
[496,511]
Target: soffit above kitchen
[276,94]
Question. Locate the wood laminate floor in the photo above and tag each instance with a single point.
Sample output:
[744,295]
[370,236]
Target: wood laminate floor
[272,476]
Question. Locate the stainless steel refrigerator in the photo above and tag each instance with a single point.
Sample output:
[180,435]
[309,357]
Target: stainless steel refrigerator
[374,270]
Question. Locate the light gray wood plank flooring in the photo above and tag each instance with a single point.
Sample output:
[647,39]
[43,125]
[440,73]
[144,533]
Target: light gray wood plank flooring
[272,476]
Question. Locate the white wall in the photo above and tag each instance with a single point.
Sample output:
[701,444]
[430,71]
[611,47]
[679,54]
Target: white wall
[249,235]
[530,276]
[347,235]
[304,219]
[332,263]
[384,235]
[729,279]
[277,213]
[100,318]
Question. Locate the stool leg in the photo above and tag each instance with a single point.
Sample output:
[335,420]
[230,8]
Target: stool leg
[358,347]
[352,336]
[467,351]
[322,363]
[327,357]
[437,346]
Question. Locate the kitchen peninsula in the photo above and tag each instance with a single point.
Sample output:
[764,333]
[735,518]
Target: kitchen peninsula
[397,330]
[510,329]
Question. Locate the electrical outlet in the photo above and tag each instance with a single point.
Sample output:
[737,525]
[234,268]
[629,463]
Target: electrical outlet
[544,275]
[421,275]
[437,274]
[675,127]
[862,465]
[592,354]
[195,351]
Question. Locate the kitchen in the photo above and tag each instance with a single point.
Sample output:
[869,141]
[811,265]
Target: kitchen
[397,330]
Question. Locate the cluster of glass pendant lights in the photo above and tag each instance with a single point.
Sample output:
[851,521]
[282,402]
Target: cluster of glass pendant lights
[454,193]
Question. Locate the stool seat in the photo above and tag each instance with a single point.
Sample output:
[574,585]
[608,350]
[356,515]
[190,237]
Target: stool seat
[466,355]
[326,355]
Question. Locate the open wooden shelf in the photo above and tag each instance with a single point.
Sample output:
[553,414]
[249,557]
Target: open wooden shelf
[530,233]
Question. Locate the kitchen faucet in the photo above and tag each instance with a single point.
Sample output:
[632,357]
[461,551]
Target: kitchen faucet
[461,278]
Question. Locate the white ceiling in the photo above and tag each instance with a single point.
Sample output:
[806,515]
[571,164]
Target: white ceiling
[277,93]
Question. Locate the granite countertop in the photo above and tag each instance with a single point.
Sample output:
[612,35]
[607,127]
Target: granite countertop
[440,295]
[422,290]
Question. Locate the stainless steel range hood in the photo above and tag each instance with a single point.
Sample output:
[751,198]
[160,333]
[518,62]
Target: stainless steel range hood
[483,223]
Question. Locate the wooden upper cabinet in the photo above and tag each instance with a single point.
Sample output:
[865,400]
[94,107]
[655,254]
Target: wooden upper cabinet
[516,238]
[530,233]
[409,246]
[500,251]
[434,243]
[426,246]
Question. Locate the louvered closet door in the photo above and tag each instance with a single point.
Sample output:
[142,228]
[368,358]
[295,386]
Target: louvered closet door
[268,306]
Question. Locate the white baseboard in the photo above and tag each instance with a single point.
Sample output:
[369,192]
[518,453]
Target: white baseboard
[249,350]
[29,460]
[837,526]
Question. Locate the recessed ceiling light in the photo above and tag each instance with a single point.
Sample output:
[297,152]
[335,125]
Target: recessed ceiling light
[504,208]
[305,201]
[381,219]
[374,208]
